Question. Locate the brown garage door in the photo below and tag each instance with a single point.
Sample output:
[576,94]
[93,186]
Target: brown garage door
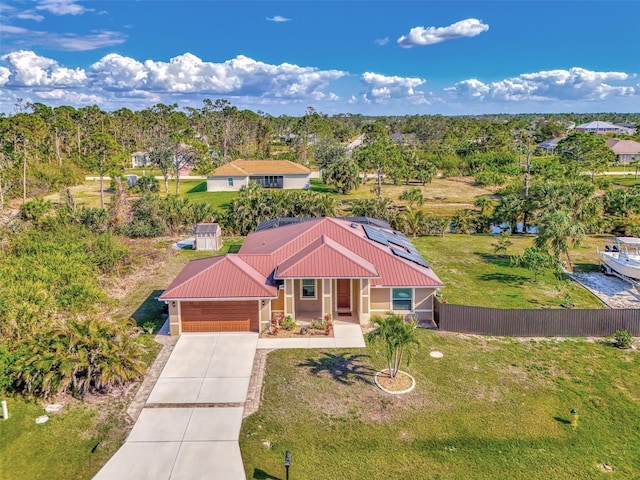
[236,316]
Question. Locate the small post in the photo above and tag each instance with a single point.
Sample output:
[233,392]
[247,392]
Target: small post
[574,418]
[5,410]
[287,463]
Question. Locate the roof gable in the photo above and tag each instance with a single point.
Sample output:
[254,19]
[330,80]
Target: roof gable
[325,258]
[225,276]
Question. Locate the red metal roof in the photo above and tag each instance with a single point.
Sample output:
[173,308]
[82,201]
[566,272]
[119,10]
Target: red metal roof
[320,248]
[286,241]
[324,258]
[225,276]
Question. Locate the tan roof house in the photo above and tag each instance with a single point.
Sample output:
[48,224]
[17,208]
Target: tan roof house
[626,151]
[268,173]
[308,268]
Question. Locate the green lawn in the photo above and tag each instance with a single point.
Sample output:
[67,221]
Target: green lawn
[474,275]
[65,446]
[196,190]
[491,408]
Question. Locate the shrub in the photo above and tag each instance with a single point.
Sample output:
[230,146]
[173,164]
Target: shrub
[146,184]
[288,323]
[317,324]
[95,219]
[35,209]
[623,339]
[79,357]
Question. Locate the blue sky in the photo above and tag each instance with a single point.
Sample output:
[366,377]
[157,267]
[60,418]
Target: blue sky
[369,57]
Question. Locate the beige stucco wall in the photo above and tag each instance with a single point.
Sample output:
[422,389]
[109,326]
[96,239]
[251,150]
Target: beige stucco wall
[295,181]
[355,296]
[174,318]
[307,305]
[380,299]
[265,314]
[221,184]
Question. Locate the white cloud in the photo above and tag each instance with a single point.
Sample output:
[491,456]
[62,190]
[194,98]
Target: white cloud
[381,41]
[61,7]
[419,36]
[573,84]
[30,70]
[30,15]
[278,19]
[63,41]
[189,74]
[5,73]
[381,88]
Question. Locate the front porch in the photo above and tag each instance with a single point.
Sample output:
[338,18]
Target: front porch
[344,299]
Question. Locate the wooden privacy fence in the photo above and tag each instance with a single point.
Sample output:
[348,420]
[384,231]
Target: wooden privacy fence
[536,323]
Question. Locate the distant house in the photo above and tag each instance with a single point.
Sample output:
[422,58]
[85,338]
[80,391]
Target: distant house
[626,151]
[140,159]
[208,236]
[268,173]
[353,268]
[548,146]
[604,127]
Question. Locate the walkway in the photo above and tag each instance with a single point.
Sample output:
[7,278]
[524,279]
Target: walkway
[190,423]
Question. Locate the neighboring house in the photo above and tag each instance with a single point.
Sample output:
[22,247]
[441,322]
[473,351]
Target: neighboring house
[306,268]
[548,146]
[604,127]
[626,151]
[208,236]
[140,159]
[268,173]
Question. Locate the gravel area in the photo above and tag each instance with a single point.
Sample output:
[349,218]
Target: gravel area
[616,293]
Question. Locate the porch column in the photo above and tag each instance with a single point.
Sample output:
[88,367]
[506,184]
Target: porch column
[363,312]
[289,298]
[327,297]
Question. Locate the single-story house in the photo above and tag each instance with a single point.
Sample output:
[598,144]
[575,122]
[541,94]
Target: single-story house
[306,268]
[626,151]
[140,159]
[208,236]
[548,146]
[268,173]
[604,127]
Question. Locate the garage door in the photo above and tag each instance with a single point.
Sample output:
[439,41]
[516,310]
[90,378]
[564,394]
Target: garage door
[233,316]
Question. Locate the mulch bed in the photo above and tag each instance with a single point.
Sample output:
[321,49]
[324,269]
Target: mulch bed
[401,382]
[295,333]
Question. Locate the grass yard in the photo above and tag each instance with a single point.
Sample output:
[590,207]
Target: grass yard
[65,446]
[474,275]
[443,196]
[196,191]
[491,408]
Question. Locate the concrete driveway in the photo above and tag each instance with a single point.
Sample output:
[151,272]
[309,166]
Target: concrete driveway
[190,425]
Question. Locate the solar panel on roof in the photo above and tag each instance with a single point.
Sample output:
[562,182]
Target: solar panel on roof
[375,235]
[412,257]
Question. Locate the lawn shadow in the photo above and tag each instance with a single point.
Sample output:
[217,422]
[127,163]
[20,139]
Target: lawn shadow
[150,310]
[343,367]
[586,267]
[260,474]
[505,278]
[562,420]
[201,187]
[502,260]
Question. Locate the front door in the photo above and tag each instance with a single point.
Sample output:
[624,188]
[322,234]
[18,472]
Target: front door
[344,294]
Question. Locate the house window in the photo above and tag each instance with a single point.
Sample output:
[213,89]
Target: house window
[230,181]
[308,290]
[402,299]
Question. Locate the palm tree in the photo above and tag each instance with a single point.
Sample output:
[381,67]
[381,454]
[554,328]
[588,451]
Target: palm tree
[557,231]
[398,337]
[483,203]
